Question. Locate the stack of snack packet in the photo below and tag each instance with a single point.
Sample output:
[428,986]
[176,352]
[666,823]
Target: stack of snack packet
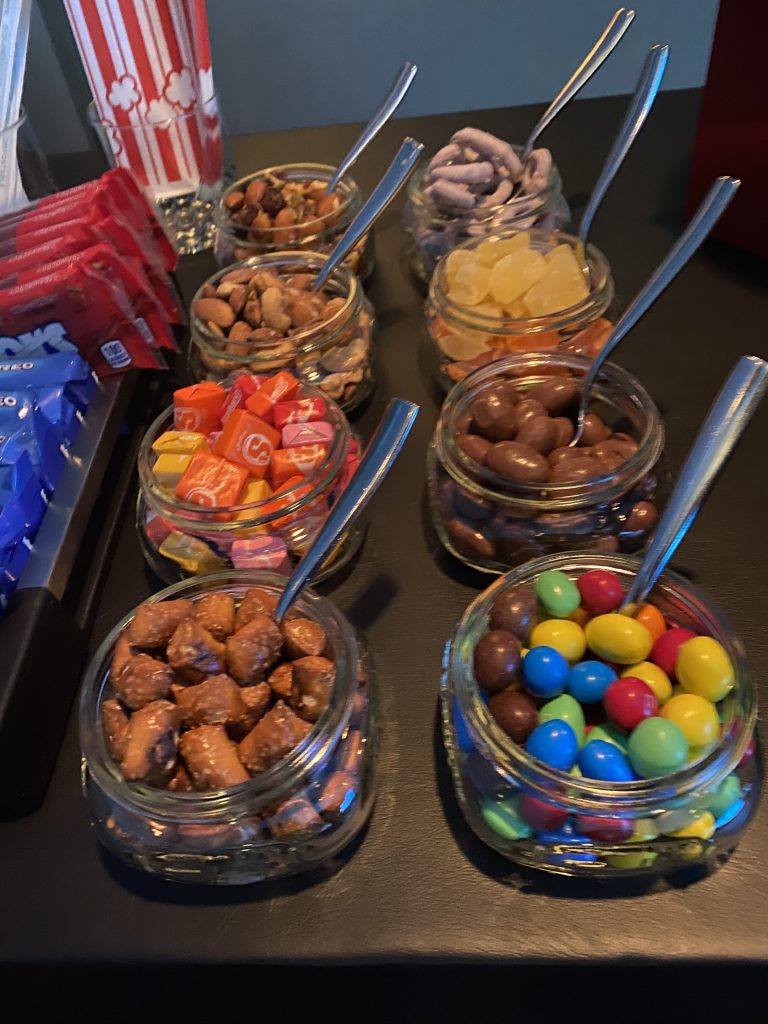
[88,270]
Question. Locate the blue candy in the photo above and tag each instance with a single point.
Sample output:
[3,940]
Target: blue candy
[561,839]
[727,816]
[545,671]
[554,742]
[604,761]
[460,730]
[589,680]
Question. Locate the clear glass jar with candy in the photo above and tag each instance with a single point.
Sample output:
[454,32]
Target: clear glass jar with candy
[297,814]
[492,522]
[264,522]
[284,207]
[325,339]
[468,327]
[436,227]
[673,805]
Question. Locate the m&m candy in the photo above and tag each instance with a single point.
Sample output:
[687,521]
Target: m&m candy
[601,591]
[545,671]
[628,701]
[554,743]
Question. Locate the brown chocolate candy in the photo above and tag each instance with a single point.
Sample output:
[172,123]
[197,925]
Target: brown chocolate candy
[556,394]
[526,410]
[608,543]
[474,446]
[496,660]
[517,462]
[469,540]
[515,713]
[216,613]
[595,431]
[572,470]
[313,679]
[217,701]
[281,680]
[253,649]
[194,653]
[151,744]
[539,432]
[565,431]
[255,602]
[272,738]
[514,611]
[114,721]
[493,415]
[302,637]
[142,680]
[559,455]
[211,758]
[153,625]
[643,517]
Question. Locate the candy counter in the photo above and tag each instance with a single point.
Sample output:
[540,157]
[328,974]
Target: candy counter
[417,886]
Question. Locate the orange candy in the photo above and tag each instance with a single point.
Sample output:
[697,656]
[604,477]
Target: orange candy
[299,461]
[281,499]
[197,407]
[211,482]
[249,441]
[279,388]
[652,619]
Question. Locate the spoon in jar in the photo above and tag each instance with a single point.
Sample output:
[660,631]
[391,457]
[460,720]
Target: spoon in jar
[392,181]
[377,461]
[612,33]
[394,97]
[720,194]
[719,434]
[634,119]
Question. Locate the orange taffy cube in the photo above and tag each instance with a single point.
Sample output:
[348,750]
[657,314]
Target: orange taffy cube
[198,407]
[211,482]
[249,441]
[279,388]
[280,500]
[299,461]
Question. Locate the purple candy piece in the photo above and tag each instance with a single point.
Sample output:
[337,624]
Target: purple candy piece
[537,170]
[445,155]
[450,193]
[501,195]
[480,173]
[487,145]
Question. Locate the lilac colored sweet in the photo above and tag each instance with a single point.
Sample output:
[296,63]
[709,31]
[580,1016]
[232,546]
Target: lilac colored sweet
[297,434]
[261,553]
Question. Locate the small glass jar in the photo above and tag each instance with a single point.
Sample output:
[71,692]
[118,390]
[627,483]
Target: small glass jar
[433,231]
[334,356]
[235,242]
[464,337]
[639,819]
[181,539]
[492,523]
[242,834]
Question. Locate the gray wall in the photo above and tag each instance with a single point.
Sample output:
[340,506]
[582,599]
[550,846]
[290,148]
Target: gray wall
[313,62]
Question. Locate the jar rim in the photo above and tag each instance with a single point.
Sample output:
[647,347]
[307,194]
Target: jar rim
[547,497]
[591,795]
[304,341]
[269,784]
[309,171]
[600,296]
[174,508]
[427,207]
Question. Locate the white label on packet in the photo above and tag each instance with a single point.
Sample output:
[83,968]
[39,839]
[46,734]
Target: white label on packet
[116,354]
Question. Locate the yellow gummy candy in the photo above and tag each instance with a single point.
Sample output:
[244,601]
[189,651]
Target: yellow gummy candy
[169,469]
[179,442]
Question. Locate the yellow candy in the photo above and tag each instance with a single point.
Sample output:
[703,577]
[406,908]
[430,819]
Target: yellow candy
[191,553]
[696,718]
[580,616]
[169,469]
[515,273]
[490,252]
[644,831]
[618,638]
[704,668]
[179,442]
[255,490]
[565,636]
[656,677]
[702,827]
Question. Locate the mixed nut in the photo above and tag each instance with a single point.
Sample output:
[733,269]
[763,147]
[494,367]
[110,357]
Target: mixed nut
[255,318]
[282,211]
[211,692]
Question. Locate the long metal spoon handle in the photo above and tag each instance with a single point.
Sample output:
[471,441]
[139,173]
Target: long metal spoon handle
[613,32]
[400,87]
[712,206]
[725,423]
[394,178]
[377,461]
[634,119]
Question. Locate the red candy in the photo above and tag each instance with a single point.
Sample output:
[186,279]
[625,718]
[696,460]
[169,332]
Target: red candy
[664,652]
[601,591]
[628,701]
[604,830]
[302,410]
[541,816]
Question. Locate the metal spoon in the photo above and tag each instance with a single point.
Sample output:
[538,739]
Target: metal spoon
[725,423]
[400,87]
[393,179]
[613,32]
[634,119]
[712,206]
[377,461]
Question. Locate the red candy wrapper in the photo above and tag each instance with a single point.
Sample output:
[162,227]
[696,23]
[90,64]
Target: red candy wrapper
[302,410]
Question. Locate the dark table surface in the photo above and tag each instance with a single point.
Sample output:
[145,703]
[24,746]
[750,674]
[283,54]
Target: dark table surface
[418,888]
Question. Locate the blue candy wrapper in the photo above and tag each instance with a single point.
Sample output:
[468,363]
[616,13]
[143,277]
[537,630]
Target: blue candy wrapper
[66,368]
[22,501]
[27,429]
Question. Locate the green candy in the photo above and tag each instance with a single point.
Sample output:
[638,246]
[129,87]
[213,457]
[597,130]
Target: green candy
[557,593]
[628,860]
[568,709]
[503,817]
[726,794]
[610,734]
[657,747]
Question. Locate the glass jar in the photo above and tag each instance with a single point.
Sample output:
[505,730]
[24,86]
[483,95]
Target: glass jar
[181,539]
[433,231]
[461,337]
[490,772]
[335,355]
[235,242]
[492,523]
[240,835]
